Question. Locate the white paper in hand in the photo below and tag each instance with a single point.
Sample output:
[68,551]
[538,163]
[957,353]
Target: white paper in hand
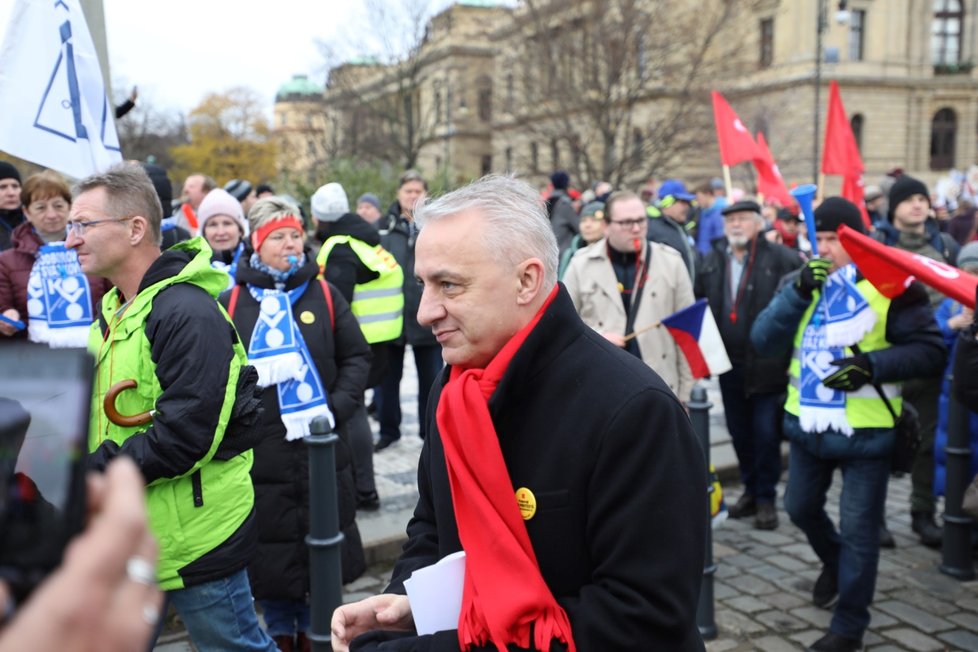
[435,594]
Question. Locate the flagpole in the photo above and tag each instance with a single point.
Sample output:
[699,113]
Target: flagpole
[726,181]
[635,334]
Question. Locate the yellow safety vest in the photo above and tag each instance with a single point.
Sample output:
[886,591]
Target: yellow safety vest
[379,304]
[864,408]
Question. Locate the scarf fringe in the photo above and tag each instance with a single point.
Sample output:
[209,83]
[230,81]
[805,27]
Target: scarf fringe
[278,368]
[816,419]
[547,624]
[852,330]
[71,337]
[297,423]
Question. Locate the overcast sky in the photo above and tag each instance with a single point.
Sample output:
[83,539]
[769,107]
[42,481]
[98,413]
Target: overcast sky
[176,51]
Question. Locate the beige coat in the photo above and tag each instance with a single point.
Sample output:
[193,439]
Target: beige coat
[593,288]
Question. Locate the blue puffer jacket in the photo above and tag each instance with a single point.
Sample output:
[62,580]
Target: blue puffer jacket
[949,308]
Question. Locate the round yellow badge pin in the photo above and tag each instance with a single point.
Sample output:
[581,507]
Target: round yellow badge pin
[527,503]
[307,317]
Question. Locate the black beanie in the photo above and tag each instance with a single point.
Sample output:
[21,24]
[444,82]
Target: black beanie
[560,180]
[904,188]
[161,182]
[8,171]
[833,212]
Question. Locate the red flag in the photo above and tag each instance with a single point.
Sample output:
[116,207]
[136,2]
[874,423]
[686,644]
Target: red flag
[736,143]
[841,153]
[770,183]
[891,270]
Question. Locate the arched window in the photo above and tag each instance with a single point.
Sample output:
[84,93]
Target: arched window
[943,130]
[484,89]
[945,40]
[856,123]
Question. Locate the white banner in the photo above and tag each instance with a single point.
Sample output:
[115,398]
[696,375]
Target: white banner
[53,106]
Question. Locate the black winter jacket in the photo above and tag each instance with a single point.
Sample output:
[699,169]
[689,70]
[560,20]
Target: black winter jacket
[398,237]
[762,278]
[280,569]
[619,479]
[345,271]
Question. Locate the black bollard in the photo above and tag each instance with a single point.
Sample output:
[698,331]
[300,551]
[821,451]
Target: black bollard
[324,539]
[956,549]
[699,415]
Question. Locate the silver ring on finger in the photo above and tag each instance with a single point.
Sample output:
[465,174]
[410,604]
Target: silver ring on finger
[141,571]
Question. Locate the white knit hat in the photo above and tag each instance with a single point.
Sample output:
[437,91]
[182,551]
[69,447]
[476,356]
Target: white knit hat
[330,203]
[220,202]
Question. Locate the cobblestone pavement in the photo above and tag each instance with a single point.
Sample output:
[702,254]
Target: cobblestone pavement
[764,579]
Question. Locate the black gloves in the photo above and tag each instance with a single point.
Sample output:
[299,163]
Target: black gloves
[853,373]
[812,276]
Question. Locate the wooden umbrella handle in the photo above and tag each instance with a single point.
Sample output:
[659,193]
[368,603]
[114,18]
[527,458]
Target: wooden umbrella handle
[142,419]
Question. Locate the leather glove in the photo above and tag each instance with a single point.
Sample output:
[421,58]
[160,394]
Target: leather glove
[812,276]
[852,374]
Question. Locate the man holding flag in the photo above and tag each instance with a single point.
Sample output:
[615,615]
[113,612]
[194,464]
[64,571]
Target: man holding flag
[849,344]
[739,278]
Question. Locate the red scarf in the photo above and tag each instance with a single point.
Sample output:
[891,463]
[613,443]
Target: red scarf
[504,597]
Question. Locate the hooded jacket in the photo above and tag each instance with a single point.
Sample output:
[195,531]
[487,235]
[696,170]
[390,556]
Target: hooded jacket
[177,343]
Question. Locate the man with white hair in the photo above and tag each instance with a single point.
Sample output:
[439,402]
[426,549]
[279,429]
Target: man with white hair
[739,277]
[563,467]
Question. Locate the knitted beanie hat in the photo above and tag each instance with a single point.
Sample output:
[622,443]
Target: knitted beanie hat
[904,188]
[833,212]
[8,171]
[329,203]
[220,202]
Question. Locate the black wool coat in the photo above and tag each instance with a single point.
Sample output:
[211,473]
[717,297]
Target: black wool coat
[619,480]
[280,569]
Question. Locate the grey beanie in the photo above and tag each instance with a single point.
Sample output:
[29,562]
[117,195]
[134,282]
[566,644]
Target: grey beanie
[329,203]
[370,198]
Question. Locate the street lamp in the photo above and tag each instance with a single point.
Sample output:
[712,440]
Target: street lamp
[841,17]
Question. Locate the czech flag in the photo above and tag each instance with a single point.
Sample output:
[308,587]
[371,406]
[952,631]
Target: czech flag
[696,333]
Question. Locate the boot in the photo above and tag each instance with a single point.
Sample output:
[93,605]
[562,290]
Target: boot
[931,534]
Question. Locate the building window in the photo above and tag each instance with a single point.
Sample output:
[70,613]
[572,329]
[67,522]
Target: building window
[856,124]
[767,42]
[486,164]
[945,40]
[437,107]
[638,141]
[857,30]
[534,157]
[484,84]
[509,159]
[510,93]
[554,154]
[943,130]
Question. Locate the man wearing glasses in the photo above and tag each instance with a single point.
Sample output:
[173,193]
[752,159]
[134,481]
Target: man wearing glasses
[623,285]
[162,328]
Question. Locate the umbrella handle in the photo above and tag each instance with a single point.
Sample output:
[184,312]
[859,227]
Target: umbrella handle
[115,416]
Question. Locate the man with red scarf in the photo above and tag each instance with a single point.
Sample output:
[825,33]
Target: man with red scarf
[563,466]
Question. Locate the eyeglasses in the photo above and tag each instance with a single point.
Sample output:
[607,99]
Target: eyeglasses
[79,228]
[629,224]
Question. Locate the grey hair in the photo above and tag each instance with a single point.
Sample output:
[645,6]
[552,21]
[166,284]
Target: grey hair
[270,209]
[517,224]
[129,192]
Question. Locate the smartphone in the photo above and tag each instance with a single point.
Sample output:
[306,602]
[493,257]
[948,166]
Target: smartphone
[45,397]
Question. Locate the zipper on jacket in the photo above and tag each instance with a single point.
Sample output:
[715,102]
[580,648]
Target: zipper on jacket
[197,490]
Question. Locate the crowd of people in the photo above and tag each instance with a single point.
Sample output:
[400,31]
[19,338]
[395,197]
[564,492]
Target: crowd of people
[238,321]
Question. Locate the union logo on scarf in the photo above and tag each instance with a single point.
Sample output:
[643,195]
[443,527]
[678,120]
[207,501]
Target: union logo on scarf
[841,318]
[281,357]
[59,299]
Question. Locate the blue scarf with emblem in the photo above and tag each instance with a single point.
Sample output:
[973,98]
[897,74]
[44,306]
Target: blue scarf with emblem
[841,318]
[279,353]
[59,299]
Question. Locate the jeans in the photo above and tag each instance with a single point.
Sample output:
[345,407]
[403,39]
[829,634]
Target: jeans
[285,617]
[853,550]
[220,615]
[428,361]
[754,424]
[357,432]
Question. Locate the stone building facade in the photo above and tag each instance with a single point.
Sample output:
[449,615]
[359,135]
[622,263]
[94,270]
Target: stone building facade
[906,71]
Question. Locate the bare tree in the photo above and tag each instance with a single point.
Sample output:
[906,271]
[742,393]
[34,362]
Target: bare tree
[622,86]
[375,102]
[150,132]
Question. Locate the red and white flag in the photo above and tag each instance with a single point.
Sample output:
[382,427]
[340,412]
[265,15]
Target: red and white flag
[770,183]
[891,270]
[736,143]
[697,335]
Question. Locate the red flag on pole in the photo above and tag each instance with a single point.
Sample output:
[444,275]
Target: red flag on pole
[769,180]
[891,270]
[736,143]
[841,153]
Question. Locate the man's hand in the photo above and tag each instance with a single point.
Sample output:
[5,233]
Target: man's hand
[853,373]
[386,611]
[812,276]
[615,338]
